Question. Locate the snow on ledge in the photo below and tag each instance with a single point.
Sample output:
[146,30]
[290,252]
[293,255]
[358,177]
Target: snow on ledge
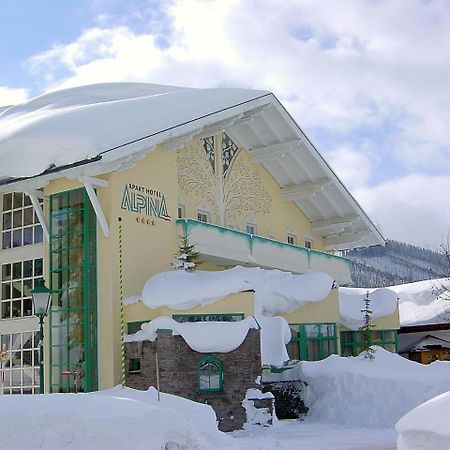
[276,291]
[202,337]
[383,302]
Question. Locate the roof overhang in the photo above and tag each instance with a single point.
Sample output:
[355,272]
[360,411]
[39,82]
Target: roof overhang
[273,139]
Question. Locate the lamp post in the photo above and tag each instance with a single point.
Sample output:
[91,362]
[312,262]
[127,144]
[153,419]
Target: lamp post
[41,295]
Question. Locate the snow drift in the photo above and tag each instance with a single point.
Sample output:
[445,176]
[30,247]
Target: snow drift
[114,419]
[427,426]
[358,391]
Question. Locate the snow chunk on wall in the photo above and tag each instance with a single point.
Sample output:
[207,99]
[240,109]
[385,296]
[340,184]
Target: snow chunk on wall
[426,426]
[203,337]
[383,302]
[358,391]
[275,335]
[275,291]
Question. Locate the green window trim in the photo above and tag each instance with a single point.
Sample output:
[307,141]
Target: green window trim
[352,342]
[210,374]
[313,341]
[134,327]
[135,365]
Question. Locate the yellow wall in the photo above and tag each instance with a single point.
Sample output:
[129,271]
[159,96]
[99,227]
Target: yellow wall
[146,248]
[197,178]
[326,311]
[234,303]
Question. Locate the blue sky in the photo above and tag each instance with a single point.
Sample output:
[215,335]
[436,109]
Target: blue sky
[367,81]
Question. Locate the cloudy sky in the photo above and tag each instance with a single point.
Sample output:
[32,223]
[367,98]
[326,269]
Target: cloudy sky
[368,80]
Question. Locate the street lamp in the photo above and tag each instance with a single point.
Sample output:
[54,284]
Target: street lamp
[41,296]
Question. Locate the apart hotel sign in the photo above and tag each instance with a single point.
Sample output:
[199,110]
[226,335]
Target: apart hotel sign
[145,202]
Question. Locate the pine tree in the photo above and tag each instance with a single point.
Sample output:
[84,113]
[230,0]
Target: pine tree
[187,258]
[366,329]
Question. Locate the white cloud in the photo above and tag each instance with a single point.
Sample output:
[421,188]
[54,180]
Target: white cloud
[353,168]
[414,209]
[363,72]
[10,96]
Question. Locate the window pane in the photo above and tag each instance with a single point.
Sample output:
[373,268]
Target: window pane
[17,238]
[6,272]
[17,218]
[28,236]
[7,221]
[6,240]
[18,200]
[38,234]
[7,202]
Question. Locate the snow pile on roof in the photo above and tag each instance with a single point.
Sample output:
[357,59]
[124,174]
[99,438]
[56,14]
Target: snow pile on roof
[203,337]
[358,391]
[427,426]
[383,302]
[110,419]
[75,124]
[276,291]
[421,304]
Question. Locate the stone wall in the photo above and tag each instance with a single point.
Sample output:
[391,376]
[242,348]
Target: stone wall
[178,373]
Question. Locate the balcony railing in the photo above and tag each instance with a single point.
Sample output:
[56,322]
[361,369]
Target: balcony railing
[230,246]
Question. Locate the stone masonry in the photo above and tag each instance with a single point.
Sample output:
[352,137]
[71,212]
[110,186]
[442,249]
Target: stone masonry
[178,373]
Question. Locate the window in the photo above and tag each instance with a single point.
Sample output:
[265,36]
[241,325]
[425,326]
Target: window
[250,228]
[309,243]
[210,374]
[312,342]
[21,370]
[73,272]
[291,239]
[17,281]
[352,341]
[20,225]
[203,216]
[181,214]
[231,317]
[135,365]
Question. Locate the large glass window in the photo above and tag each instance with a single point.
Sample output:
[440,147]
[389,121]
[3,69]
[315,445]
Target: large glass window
[210,374]
[21,369]
[74,286]
[312,342]
[20,226]
[352,341]
[17,281]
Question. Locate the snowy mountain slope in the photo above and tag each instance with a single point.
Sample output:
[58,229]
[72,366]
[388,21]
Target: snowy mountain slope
[396,263]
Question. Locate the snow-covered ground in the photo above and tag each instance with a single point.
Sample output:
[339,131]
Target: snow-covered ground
[312,435]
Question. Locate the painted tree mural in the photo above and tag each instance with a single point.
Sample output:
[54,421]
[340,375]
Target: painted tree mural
[216,170]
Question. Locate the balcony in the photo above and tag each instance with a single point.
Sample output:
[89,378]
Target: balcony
[224,246]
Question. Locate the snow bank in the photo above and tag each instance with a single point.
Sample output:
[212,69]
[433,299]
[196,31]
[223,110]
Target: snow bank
[78,123]
[115,419]
[357,391]
[258,416]
[427,426]
[383,302]
[276,291]
[203,337]
[420,304]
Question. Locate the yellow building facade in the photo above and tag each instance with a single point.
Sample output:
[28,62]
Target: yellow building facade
[247,188]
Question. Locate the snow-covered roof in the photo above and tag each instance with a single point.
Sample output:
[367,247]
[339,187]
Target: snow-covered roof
[202,337]
[383,302]
[96,129]
[423,302]
[275,291]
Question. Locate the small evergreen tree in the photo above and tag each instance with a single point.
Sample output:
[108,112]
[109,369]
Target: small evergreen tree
[187,258]
[366,329]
